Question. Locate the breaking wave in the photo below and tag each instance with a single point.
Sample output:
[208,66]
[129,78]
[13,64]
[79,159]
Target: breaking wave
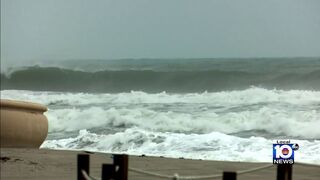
[213,146]
[228,125]
[219,109]
[270,113]
[58,79]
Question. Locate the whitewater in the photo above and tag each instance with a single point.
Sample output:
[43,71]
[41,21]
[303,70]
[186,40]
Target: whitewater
[238,125]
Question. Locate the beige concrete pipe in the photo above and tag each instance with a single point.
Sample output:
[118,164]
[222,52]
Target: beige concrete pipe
[23,124]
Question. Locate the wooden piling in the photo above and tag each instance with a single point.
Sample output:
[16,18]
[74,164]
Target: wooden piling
[83,164]
[121,163]
[229,176]
[284,172]
[108,171]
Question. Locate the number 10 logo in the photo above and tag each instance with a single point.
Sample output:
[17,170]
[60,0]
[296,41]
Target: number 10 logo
[283,154]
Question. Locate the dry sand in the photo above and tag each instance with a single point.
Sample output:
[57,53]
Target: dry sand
[56,164]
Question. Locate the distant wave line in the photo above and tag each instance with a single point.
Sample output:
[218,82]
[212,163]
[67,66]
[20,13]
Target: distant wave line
[59,79]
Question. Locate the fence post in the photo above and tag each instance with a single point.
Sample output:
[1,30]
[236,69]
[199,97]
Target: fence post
[122,162]
[83,164]
[229,176]
[108,171]
[284,172]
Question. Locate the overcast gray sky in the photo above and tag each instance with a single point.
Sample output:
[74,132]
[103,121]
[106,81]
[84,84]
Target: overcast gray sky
[112,29]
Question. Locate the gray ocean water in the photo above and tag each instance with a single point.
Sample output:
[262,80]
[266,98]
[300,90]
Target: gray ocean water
[219,109]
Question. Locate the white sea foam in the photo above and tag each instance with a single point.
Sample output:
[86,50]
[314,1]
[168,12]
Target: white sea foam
[213,146]
[193,125]
[275,121]
[291,113]
[250,96]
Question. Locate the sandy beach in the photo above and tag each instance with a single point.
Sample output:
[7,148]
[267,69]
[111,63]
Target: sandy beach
[59,164]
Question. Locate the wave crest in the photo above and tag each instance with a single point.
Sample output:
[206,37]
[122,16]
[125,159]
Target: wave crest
[210,146]
[58,79]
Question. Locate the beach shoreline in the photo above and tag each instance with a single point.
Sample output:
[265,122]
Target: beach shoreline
[19,163]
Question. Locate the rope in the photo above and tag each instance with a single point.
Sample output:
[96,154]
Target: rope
[150,173]
[88,177]
[176,176]
[254,169]
[307,164]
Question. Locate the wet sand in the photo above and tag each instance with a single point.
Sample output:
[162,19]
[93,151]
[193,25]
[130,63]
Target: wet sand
[58,164]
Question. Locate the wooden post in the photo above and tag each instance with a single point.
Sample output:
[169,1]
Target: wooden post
[83,164]
[284,172]
[121,161]
[229,176]
[108,171]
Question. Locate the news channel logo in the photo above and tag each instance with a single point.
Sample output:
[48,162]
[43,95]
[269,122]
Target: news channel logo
[283,152]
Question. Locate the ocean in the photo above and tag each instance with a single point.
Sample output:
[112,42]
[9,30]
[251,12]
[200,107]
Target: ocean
[215,109]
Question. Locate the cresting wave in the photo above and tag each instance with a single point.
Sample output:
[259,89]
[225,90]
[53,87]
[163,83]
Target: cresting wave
[57,79]
[275,122]
[214,145]
[251,95]
[226,125]
[219,109]
[278,113]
